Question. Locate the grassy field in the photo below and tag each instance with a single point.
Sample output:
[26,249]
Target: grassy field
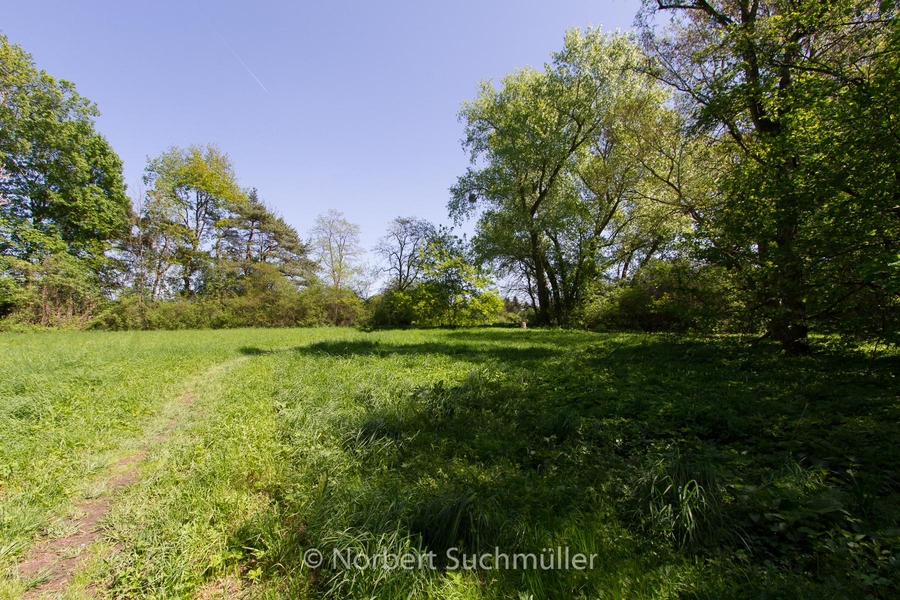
[686,467]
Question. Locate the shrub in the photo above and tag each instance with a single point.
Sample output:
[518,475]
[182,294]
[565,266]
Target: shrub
[393,309]
[60,291]
[665,296]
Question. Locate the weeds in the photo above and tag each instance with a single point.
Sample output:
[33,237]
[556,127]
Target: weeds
[679,500]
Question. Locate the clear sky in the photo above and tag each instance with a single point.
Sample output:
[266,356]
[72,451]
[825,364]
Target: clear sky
[335,104]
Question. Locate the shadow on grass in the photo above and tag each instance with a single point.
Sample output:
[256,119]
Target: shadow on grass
[470,352]
[644,450]
[473,346]
[253,351]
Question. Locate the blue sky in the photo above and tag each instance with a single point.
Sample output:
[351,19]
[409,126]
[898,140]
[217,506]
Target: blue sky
[360,101]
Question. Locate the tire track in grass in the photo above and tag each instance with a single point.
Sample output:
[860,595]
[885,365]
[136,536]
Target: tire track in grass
[49,567]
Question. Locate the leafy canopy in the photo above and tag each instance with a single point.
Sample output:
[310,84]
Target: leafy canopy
[61,184]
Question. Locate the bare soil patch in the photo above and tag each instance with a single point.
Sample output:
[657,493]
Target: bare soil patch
[57,560]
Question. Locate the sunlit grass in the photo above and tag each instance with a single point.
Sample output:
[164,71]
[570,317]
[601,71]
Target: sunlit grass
[689,467]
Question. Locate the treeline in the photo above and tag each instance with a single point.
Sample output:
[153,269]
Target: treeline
[730,167]
[190,249]
[247,268]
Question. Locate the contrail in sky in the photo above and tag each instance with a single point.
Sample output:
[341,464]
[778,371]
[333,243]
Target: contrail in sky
[236,56]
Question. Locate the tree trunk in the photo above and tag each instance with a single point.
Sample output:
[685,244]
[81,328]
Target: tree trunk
[788,324]
[542,315]
[186,277]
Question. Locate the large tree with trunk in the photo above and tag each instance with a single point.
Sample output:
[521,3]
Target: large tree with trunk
[796,94]
[190,190]
[62,200]
[554,180]
[60,181]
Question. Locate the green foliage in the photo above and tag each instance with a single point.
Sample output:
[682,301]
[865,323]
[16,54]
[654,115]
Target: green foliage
[453,292]
[342,307]
[796,98]
[12,296]
[394,308]
[197,236]
[62,199]
[191,191]
[281,306]
[670,296]
[60,291]
[450,291]
[558,182]
[61,184]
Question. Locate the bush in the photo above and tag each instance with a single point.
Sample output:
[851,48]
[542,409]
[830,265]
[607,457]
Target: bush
[12,296]
[131,312]
[426,305]
[393,309]
[60,291]
[665,296]
[264,299]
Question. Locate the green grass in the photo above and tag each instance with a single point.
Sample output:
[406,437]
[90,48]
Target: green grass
[689,467]
[72,403]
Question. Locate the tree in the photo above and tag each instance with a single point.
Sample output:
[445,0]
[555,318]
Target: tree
[62,199]
[244,230]
[401,251]
[453,291]
[336,248]
[148,252]
[554,172]
[191,190]
[337,252]
[254,233]
[788,89]
[59,178]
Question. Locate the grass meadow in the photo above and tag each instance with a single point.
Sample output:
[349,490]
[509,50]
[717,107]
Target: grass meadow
[688,467]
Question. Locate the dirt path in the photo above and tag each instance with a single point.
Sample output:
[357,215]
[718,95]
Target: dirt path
[55,562]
